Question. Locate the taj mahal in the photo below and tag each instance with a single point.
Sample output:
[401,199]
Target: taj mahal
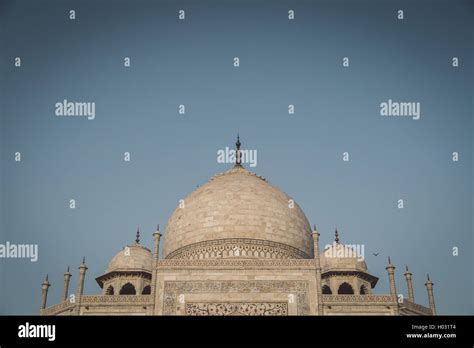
[237,247]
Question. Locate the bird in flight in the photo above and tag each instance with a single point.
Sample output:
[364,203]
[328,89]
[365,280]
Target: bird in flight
[375,254]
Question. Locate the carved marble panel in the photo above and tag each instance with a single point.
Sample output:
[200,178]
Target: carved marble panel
[237,308]
[299,290]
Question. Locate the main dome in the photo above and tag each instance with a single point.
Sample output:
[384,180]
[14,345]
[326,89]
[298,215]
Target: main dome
[238,214]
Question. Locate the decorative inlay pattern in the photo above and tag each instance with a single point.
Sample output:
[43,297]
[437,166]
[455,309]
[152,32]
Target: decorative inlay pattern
[237,308]
[237,248]
[237,263]
[172,289]
[382,299]
[125,299]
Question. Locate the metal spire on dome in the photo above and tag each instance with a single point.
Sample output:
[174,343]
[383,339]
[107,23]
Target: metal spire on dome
[337,236]
[238,161]
[137,240]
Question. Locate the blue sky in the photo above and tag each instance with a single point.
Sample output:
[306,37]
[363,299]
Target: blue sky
[282,62]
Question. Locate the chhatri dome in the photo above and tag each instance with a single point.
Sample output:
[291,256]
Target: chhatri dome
[243,215]
[341,257]
[132,257]
[129,271]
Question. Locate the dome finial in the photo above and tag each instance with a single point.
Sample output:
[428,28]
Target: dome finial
[137,240]
[337,236]
[237,152]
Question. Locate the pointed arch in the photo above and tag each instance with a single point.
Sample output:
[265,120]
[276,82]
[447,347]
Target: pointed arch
[128,289]
[345,289]
[146,290]
[110,290]
[327,290]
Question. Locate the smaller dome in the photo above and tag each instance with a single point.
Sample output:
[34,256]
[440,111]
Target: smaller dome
[340,257]
[132,258]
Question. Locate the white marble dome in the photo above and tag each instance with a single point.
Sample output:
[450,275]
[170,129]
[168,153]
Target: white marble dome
[238,214]
[132,258]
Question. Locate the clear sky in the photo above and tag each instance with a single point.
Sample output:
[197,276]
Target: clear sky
[282,62]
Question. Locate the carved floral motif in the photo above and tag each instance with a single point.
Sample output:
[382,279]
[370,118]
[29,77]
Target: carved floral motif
[237,248]
[237,308]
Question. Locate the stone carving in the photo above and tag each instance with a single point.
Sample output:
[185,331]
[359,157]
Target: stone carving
[236,263]
[382,299]
[135,299]
[417,307]
[58,308]
[237,308]
[173,288]
[237,247]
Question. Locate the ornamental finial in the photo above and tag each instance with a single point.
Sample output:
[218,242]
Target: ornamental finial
[137,240]
[337,236]
[237,153]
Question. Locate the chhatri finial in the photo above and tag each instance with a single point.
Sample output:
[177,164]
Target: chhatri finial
[238,161]
[406,267]
[428,276]
[314,228]
[67,269]
[158,227]
[389,261]
[137,240]
[46,279]
[337,236]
